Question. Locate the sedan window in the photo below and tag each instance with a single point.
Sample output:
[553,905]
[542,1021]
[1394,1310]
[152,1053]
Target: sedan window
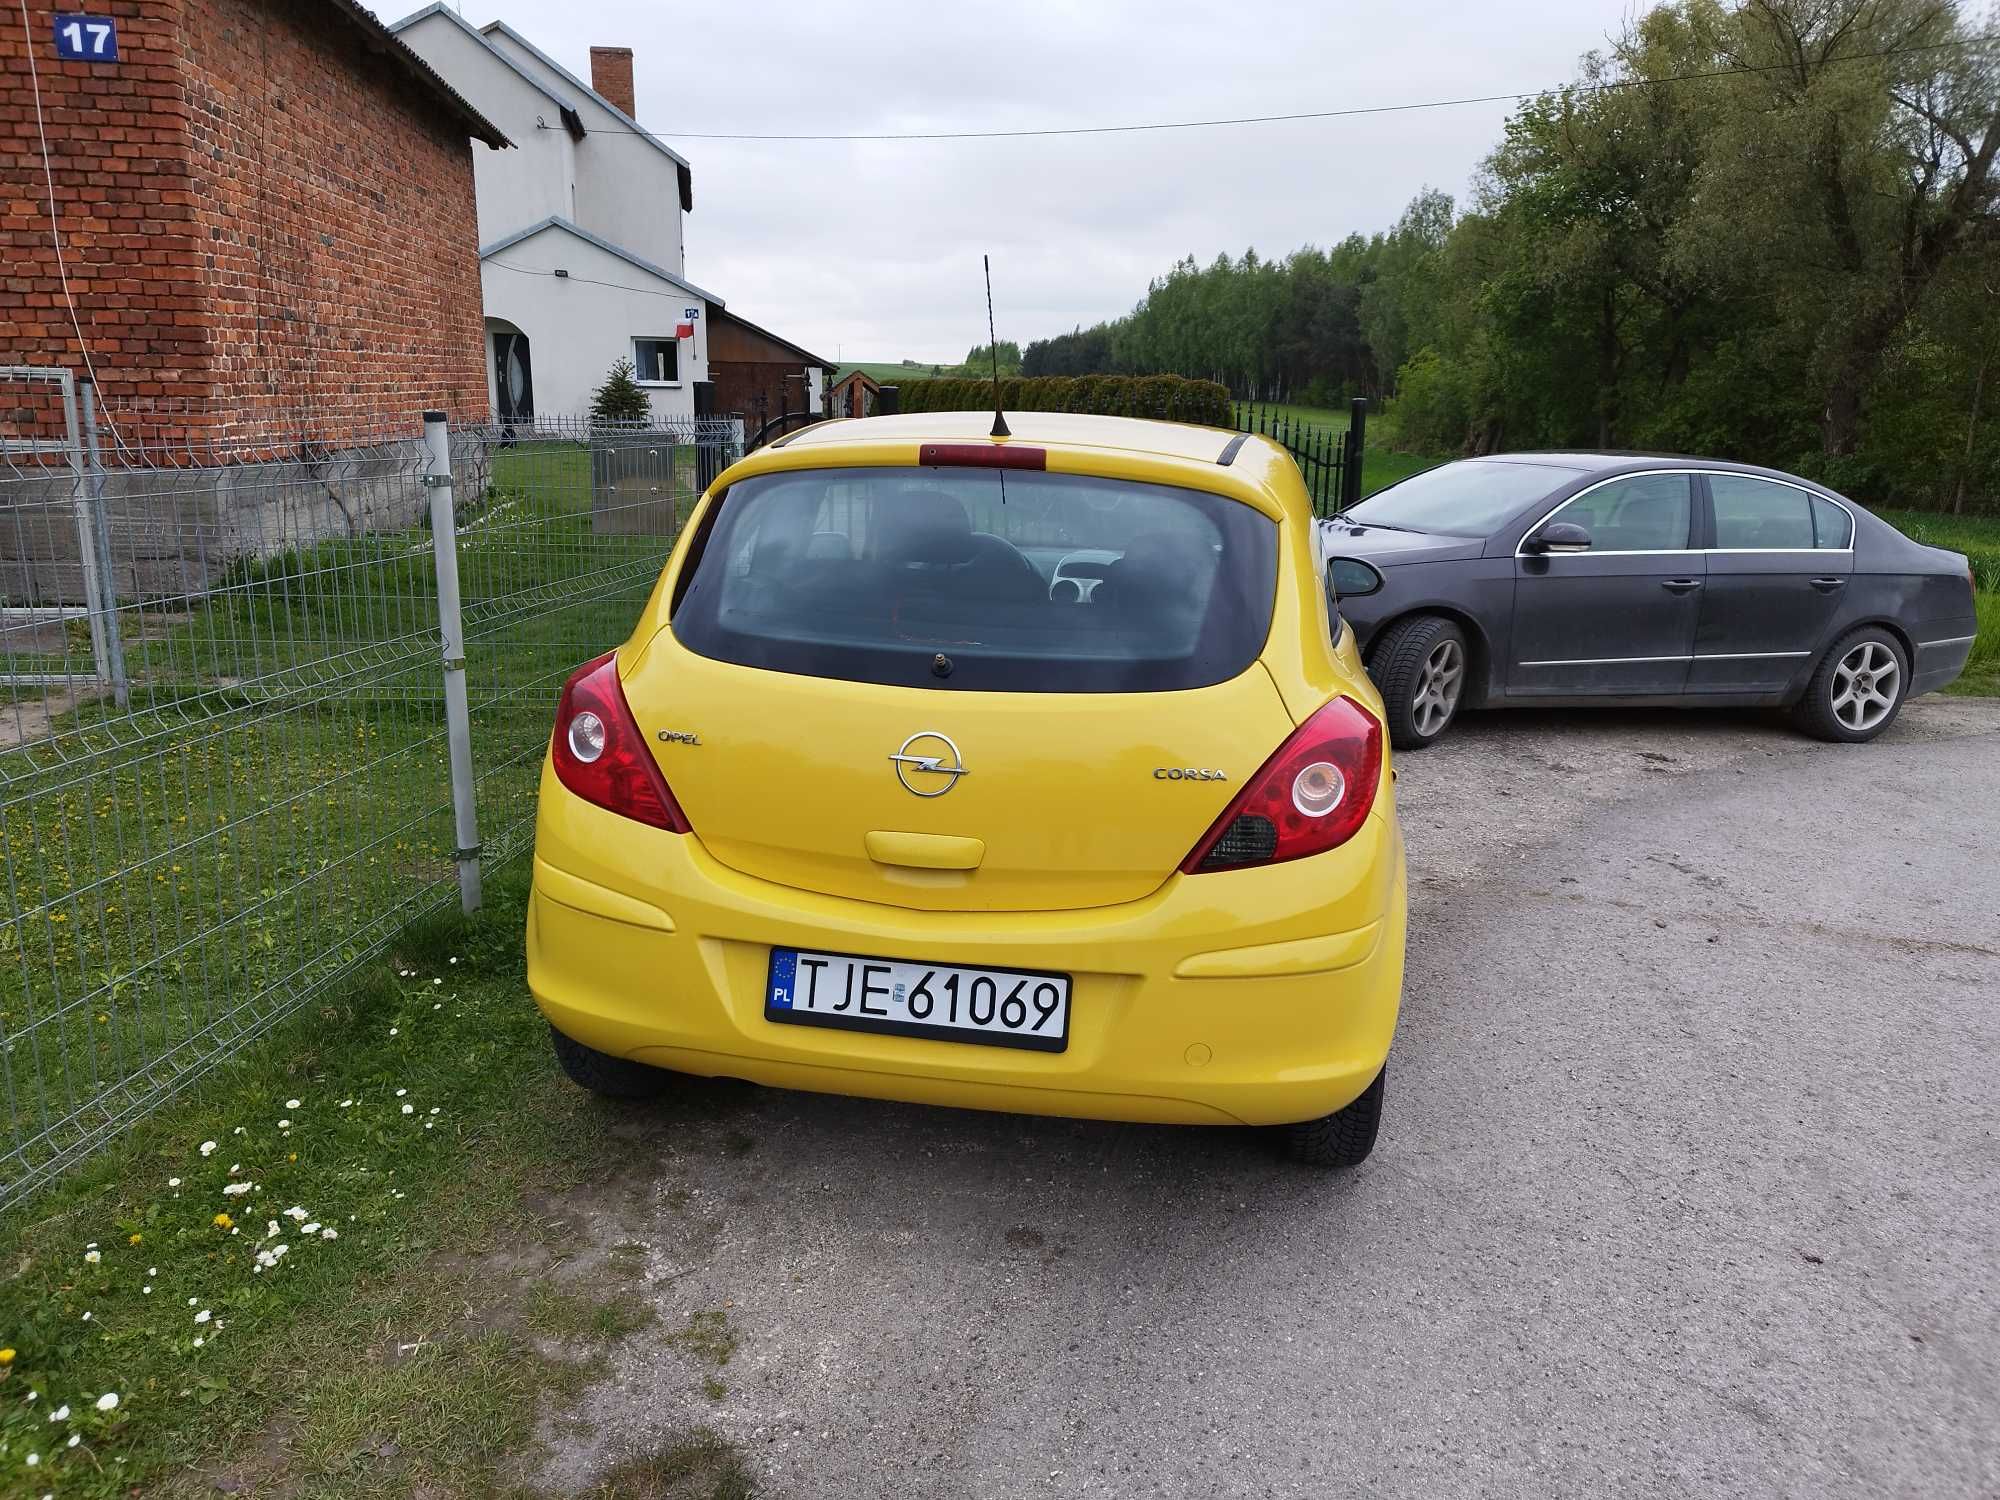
[1757,515]
[1832,526]
[1640,513]
[1469,498]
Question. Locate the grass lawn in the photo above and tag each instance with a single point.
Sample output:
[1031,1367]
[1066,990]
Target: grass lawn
[310,1304]
[884,372]
[277,803]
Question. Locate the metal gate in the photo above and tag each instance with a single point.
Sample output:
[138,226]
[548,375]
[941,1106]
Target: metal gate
[1329,460]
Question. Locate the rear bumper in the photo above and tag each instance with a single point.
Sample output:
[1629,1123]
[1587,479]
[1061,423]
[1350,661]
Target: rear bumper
[1251,997]
[1942,652]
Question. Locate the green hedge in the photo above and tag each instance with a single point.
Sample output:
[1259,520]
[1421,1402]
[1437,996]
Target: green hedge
[1171,397]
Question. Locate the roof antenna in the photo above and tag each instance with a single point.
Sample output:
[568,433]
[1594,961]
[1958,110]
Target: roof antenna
[1000,428]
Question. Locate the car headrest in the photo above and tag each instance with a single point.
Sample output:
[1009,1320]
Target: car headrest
[921,526]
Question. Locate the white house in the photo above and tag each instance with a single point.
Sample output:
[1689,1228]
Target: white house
[580,227]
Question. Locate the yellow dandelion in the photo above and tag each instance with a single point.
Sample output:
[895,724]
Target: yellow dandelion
[136,1239]
[223,1221]
[6,1356]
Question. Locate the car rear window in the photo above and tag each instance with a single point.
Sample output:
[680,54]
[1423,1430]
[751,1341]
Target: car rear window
[982,580]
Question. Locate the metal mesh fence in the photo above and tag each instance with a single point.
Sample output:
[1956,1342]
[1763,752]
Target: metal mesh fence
[223,766]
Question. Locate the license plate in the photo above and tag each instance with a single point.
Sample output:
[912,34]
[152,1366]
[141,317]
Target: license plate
[993,1007]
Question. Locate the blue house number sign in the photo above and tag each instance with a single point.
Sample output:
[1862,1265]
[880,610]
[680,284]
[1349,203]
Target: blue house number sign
[87,38]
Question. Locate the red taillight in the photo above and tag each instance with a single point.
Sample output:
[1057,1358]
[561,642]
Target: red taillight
[600,754]
[981,456]
[1309,797]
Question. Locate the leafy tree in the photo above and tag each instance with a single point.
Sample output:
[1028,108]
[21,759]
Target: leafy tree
[620,398]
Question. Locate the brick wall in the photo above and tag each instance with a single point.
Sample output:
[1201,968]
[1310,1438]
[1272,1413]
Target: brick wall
[117,145]
[258,216]
[335,215]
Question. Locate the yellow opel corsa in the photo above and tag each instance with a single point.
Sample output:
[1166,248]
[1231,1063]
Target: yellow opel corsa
[1032,773]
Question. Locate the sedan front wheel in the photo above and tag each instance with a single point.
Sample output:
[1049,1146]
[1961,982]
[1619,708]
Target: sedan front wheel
[1419,667]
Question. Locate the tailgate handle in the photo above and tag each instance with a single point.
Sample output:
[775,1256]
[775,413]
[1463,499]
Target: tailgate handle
[925,851]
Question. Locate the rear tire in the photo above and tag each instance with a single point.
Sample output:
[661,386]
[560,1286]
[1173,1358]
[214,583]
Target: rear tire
[1857,689]
[1421,667]
[611,1077]
[1343,1138]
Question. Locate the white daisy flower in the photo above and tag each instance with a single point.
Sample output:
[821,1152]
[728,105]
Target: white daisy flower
[291,1104]
[401,1092]
[92,1257]
[60,1414]
[409,1109]
[197,1343]
[312,1228]
[236,1189]
[108,1401]
[284,1124]
[173,1182]
[208,1148]
[296,1213]
[329,1234]
[202,1316]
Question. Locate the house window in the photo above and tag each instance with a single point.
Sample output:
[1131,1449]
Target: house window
[657,361]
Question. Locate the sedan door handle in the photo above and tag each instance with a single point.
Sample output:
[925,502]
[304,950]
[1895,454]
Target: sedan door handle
[1827,585]
[1680,585]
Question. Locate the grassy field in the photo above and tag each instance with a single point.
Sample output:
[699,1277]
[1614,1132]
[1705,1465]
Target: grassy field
[276,804]
[885,371]
[339,1267]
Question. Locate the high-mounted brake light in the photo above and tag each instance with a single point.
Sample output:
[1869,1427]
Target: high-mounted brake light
[1313,795]
[982,456]
[600,754]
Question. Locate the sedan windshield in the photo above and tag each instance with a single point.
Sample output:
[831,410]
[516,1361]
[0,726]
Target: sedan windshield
[1470,498]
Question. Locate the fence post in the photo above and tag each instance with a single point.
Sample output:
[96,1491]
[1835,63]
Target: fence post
[107,580]
[1357,441]
[86,531]
[451,633]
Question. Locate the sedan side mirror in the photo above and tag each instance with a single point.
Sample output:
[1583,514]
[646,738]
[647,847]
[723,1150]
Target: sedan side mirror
[1560,536]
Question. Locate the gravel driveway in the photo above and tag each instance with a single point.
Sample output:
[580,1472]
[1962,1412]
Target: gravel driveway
[1689,1183]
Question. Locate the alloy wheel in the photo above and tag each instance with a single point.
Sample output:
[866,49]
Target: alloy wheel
[1438,686]
[1864,686]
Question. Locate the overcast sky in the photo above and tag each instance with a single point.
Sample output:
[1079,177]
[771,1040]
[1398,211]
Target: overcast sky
[871,250]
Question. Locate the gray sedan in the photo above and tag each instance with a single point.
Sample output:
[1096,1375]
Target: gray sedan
[1591,578]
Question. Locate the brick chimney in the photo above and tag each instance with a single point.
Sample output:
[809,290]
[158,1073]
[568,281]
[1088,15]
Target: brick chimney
[611,76]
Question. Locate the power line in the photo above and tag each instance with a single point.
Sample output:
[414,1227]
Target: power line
[1314,114]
